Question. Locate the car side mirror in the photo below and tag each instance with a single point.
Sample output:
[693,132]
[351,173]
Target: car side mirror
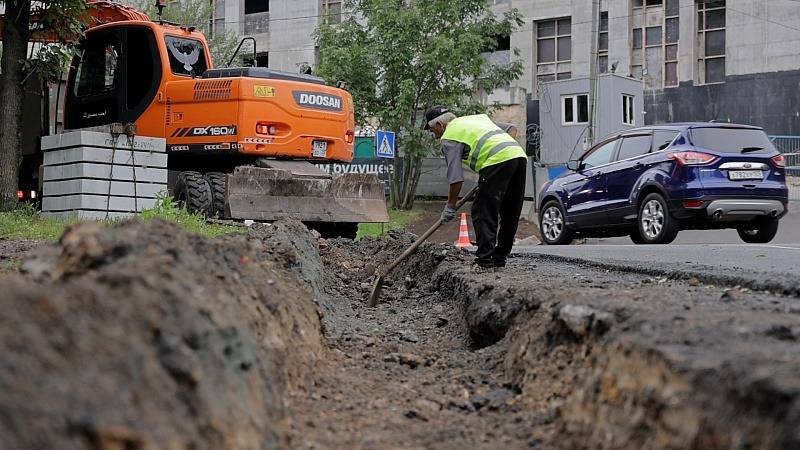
[574,166]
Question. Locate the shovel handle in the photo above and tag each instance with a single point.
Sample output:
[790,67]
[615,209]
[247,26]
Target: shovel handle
[425,235]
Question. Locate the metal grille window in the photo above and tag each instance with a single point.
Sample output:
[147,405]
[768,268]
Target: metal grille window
[602,44]
[554,49]
[711,41]
[262,60]
[256,16]
[574,109]
[627,110]
[654,43]
[256,6]
[332,11]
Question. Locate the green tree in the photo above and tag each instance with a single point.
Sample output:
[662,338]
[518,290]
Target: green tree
[54,24]
[198,14]
[399,57]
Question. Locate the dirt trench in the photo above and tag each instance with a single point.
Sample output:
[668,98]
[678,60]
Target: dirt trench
[549,355]
[144,337]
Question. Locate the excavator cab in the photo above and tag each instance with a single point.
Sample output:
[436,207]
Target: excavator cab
[242,142]
[117,73]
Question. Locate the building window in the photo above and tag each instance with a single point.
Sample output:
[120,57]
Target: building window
[602,44]
[332,11]
[554,49]
[256,6]
[711,41]
[574,109]
[654,42]
[627,110]
[262,60]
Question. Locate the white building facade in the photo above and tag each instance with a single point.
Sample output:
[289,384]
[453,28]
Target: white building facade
[699,60]
[283,29]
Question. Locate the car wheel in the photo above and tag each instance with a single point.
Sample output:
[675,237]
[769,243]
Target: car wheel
[193,192]
[758,232]
[553,226]
[655,224]
[216,182]
[636,236]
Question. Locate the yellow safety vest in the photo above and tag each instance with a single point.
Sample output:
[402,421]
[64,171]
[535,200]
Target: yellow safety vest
[489,145]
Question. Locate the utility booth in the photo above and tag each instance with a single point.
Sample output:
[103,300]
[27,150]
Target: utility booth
[564,118]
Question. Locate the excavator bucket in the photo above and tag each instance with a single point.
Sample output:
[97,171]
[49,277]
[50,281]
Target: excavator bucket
[299,190]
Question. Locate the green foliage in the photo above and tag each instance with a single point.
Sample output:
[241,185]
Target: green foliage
[167,209]
[60,24]
[194,13]
[399,57]
[25,222]
[397,219]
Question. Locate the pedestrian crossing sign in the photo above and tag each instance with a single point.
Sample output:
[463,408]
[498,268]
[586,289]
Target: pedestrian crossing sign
[384,144]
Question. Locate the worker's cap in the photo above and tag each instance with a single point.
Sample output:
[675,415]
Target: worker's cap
[432,114]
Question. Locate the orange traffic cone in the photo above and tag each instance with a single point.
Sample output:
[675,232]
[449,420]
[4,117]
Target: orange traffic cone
[463,233]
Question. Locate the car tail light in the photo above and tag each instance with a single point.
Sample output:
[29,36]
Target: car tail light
[33,195]
[20,194]
[692,158]
[264,128]
[779,161]
[693,204]
[349,137]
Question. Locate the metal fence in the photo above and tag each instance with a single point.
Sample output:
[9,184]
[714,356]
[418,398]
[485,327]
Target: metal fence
[790,147]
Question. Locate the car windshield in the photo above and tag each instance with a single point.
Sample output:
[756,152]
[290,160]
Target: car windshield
[732,140]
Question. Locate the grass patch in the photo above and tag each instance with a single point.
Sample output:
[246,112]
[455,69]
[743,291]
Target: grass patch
[25,222]
[9,265]
[397,219]
[167,209]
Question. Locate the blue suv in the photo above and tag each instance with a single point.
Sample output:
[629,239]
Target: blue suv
[650,183]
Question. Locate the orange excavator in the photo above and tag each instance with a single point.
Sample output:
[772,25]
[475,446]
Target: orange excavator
[241,141]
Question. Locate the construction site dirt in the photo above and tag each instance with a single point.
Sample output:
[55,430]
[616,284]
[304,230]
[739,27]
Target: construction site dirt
[141,336]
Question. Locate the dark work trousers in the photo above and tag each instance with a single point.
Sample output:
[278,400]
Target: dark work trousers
[496,210]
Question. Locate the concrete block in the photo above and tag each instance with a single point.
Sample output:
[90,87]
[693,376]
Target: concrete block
[100,187]
[83,138]
[96,203]
[104,172]
[93,175]
[81,214]
[103,155]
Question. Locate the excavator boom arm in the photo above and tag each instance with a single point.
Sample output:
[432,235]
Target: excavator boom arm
[98,12]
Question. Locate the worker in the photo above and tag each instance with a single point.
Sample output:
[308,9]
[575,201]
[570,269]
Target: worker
[486,148]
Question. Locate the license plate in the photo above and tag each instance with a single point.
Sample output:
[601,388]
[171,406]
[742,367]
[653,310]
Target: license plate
[745,174]
[319,149]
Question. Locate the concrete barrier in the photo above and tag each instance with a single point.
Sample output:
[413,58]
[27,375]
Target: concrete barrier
[92,175]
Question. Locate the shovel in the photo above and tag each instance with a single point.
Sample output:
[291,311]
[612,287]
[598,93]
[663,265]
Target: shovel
[381,274]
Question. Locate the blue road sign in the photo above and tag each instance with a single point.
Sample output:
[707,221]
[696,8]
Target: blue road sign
[384,144]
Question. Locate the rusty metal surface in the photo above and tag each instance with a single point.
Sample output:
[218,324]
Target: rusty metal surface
[271,194]
[297,168]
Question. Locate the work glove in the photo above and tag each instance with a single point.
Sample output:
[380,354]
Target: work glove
[448,214]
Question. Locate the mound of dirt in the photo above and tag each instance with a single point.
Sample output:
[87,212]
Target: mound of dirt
[13,251]
[141,336]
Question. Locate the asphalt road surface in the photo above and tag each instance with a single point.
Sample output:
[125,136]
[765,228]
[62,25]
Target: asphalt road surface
[788,233]
[713,255]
